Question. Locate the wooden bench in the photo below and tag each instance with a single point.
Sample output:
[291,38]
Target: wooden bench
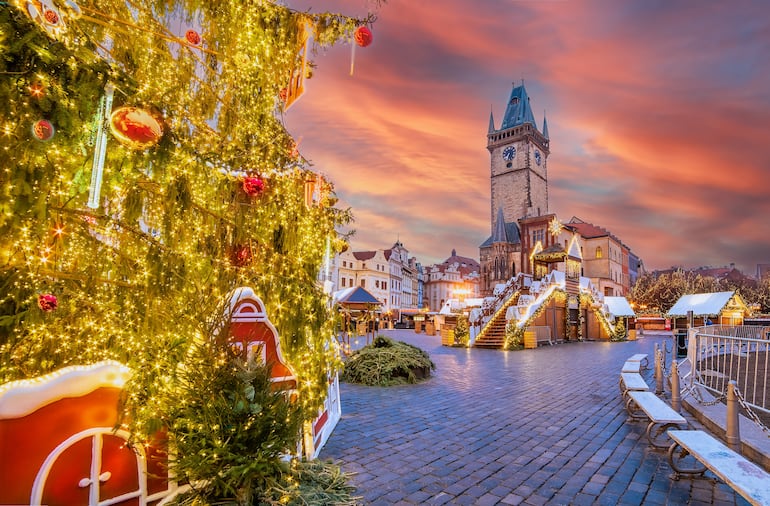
[644,363]
[632,366]
[658,412]
[631,381]
[743,476]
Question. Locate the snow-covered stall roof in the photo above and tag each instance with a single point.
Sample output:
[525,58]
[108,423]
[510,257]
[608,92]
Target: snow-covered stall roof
[701,304]
[618,306]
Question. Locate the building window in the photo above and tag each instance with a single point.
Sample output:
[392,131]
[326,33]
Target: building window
[599,253]
[363,283]
[343,282]
[384,285]
[377,283]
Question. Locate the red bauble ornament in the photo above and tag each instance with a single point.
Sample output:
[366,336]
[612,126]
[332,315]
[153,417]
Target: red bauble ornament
[51,17]
[363,36]
[192,37]
[136,128]
[253,186]
[240,255]
[43,130]
[47,302]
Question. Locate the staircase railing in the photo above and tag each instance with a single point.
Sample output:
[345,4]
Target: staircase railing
[499,313]
[502,300]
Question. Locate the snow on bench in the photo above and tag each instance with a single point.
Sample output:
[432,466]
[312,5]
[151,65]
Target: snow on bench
[631,381]
[641,358]
[632,366]
[743,476]
[658,412]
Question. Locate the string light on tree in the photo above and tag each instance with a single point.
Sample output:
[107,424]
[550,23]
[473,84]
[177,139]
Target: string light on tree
[134,242]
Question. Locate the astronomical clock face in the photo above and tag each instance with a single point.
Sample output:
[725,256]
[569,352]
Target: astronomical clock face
[538,157]
[509,153]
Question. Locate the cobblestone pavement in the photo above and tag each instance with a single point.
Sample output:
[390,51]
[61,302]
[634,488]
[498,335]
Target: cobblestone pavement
[544,426]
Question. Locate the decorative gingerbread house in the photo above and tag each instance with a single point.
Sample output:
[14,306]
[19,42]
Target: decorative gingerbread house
[58,437]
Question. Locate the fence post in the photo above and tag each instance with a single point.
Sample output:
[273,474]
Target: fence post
[658,370]
[676,400]
[733,435]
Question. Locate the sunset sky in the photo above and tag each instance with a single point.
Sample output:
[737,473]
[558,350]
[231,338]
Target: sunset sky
[658,114]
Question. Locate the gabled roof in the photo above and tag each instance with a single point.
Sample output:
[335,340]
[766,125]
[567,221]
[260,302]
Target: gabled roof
[574,249]
[591,231]
[461,261]
[364,255]
[355,295]
[588,230]
[554,248]
[518,111]
[703,304]
[618,306]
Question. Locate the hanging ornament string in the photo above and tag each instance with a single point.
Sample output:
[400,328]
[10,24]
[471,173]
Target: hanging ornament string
[97,169]
[352,58]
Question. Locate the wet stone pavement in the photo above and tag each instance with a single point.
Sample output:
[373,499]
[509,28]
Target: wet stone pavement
[544,426]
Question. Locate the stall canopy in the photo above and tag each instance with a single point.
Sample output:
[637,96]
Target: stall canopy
[707,304]
[619,306]
[356,298]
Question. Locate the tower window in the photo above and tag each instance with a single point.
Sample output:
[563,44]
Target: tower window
[599,253]
[515,100]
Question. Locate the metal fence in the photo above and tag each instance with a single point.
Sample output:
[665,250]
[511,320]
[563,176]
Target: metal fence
[720,353]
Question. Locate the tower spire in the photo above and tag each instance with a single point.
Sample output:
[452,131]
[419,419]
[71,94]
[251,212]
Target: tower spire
[498,234]
[545,127]
[491,121]
[518,111]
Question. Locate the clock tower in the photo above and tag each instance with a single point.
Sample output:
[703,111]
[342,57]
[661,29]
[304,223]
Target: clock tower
[518,161]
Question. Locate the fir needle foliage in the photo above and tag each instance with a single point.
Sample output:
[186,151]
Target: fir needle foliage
[137,277]
[387,362]
[174,231]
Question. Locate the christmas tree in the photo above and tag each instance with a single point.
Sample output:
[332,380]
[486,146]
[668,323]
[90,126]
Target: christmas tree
[146,173]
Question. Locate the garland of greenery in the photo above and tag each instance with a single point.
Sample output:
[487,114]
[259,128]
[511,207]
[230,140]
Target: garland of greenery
[515,336]
[503,307]
[613,333]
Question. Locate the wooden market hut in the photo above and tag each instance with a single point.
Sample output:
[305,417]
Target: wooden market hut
[722,308]
[620,308]
[360,311]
